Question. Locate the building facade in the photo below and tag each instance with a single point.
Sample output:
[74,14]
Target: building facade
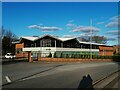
[67,46]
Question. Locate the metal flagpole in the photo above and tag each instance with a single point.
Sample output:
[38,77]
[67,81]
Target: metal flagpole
[91,39]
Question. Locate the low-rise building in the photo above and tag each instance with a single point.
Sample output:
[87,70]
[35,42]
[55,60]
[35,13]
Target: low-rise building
[47,44]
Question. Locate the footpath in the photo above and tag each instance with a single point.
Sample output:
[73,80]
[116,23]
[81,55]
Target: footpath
[108,82]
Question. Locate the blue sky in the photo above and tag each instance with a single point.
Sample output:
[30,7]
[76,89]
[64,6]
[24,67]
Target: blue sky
[61,19]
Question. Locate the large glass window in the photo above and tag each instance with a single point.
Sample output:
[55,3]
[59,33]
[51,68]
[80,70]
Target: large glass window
[46,43]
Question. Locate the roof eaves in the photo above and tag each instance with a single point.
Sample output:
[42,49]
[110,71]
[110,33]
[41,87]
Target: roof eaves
[49,36]
[91,43]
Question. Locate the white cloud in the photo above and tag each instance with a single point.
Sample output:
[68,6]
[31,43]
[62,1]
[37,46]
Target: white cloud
[87,34]
[69,36]
[50,28]
[111,38]
[114,22]
[114,32]
[85,29]
[33,26]
[115,18]
[44,28]
[70,25]
[100,23]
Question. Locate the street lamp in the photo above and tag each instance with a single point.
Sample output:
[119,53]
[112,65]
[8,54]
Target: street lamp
[90,39]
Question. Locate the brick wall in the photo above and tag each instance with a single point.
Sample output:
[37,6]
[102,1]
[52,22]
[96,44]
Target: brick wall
[73,60]
[105,51]
[19,46]
[117,49]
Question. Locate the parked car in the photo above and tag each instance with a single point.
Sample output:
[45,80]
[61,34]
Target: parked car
[10,56]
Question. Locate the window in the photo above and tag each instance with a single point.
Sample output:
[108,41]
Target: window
[19,50]
[46,43]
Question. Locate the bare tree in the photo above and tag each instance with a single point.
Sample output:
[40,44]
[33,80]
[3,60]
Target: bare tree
[7,38]
[99,39]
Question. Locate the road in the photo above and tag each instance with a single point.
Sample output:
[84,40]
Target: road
[56,75]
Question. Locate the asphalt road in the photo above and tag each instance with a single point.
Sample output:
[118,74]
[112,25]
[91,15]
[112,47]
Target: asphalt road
[56,75]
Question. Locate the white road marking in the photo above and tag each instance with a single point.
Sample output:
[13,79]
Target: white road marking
[8,79]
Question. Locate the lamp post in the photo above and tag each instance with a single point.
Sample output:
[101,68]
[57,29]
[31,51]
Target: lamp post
[90,39]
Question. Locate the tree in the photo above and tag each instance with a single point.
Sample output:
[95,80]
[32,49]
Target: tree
[7,38]
[99,39]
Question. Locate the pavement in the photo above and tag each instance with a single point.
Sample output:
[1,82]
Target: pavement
[110,81]
[56,75]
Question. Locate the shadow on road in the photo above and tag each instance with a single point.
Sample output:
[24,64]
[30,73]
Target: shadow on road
[12,61]
[86,83]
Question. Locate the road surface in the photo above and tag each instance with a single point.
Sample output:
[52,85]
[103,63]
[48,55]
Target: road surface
[55,75]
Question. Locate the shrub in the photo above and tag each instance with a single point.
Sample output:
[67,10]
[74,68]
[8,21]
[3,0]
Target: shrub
[72,56]
[50,54]
[82,56]
[94,57]
[88,56]
[61,55]
[67,56]
[55,56]
[116,58]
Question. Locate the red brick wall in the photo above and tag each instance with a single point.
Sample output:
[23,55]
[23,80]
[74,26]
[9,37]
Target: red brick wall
[73,60]
[116,49]
[20,45]
[105,51]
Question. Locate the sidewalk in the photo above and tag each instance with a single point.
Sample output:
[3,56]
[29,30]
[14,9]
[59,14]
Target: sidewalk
[112,81]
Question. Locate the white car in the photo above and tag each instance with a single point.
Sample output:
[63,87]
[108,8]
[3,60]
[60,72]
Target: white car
[9,55]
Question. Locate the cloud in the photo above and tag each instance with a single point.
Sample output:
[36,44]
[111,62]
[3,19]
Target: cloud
[70,25]
[114,22]
[85,29]
[115,18]
[44,28]
[100,23]
[50,28]
[33,26]
[69,36]
[111,38]
[87,34]
[114,32]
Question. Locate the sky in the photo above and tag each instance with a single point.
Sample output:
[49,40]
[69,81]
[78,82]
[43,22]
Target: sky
[63,19]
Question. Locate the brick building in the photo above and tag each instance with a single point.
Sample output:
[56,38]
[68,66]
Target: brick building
[116,49]
[50,44]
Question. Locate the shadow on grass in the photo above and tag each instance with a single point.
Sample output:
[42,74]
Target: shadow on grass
[86,83]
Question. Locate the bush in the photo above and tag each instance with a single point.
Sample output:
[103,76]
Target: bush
[82,56]
[67,55]
[94,56]
[72,56]
[55,56]
[88,56]
[61,55]
[116,58]
[50,54]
